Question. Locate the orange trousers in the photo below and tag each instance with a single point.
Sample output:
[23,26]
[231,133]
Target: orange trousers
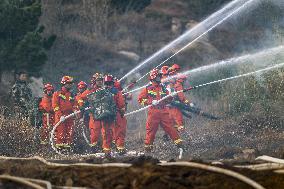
[119,131]
[64,132]
[176,116]
[104,128]
[160,117]
[47,123]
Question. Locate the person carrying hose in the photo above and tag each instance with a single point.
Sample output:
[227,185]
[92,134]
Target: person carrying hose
[158,113]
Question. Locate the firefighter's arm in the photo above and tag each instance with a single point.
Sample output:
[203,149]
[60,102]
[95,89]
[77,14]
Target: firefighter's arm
[55,102]
[41,107]
[182,98]
[82,98]
[143,98]
[120,102]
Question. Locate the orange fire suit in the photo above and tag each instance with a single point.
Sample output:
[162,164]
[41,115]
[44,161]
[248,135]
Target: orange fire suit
[158,114]
[64,104]
[109,131]
[176,84]
[98,127]
[119,130]
[45,106]
[95,129]
[83,104]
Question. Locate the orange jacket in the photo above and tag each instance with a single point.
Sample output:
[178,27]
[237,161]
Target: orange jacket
[153,92]
[83,97]
[176,84]
[63,101]
[45,104]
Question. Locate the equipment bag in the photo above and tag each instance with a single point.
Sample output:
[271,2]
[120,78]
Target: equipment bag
[103,105]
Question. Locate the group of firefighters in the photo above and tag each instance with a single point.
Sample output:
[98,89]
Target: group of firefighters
[55,105]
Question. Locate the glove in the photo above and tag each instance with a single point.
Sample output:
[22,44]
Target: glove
[155,102]
[191,104]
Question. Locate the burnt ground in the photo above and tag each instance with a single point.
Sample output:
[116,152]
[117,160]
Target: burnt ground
[231,141]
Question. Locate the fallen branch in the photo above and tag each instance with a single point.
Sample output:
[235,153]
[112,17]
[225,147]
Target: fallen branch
[68,165]
[21,181]
[38,181]
[227,172]
[270,159]
[262,166]
[281,171]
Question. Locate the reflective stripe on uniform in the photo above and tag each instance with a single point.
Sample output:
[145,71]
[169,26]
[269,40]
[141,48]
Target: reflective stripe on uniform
[62,96]
[120,147]
[152,92]
[93,144]
[178,141]
[143,101]
[59,145]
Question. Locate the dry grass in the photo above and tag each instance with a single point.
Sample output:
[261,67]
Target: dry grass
[17,137]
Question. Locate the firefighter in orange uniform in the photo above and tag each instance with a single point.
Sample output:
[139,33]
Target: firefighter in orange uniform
[64,104]
[165,73]
[176,84]
[119,130]
[94,126]
[158,113]
[45,106]
[118,127]
[81,88]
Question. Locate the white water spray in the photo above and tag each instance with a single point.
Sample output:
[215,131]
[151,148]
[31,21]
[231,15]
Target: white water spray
[191,36]
[263,56]
[210,83]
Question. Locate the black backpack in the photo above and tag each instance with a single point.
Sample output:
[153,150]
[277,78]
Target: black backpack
[103,105]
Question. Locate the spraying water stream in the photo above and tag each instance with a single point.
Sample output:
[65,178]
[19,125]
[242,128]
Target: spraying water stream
[210,83]
[193,35]
[263,56]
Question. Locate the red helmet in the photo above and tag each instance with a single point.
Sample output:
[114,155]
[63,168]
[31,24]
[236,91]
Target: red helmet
[175,67]
[48,87]
[66,80]
[164,70]
[108,78]
[154,73]
[82,85]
